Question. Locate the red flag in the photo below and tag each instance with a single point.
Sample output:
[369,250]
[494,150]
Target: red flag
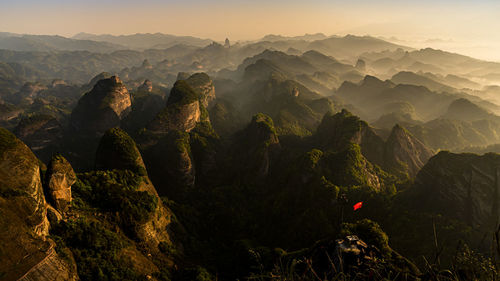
[358,205]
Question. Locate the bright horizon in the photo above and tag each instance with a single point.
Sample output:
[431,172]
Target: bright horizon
[466,27]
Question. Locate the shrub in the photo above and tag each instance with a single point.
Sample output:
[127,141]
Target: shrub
[116,191]
[95,250]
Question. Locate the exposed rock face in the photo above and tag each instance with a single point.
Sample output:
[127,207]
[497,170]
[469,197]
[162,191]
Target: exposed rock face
[102,108]
[117,150]
[178,140]
[52,268]
[204,87]
[147,86]
[20,177]
[462,186]
[59,179]
[404,153]
[351,254]
[25,249]
[182,112]
[401,154]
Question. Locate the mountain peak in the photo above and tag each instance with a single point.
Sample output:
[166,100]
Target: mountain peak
[401,147]
[103,107]
[464,109]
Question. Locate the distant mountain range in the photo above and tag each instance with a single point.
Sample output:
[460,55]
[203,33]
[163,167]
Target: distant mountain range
[104,43]
[43,43]
[145,40]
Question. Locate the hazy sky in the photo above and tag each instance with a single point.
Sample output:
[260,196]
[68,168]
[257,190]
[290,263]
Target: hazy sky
[469,27]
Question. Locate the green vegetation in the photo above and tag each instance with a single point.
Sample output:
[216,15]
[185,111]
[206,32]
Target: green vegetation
[271,197]
[263,122]
[338,129]
[182,94]
[95,250]
[117,150]
[370,232]
[198,79]
[7,140]
[33,119]
[116,192]
[348,167]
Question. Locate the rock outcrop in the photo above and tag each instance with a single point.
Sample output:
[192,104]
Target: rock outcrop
[58,181]
[25,250]
[404,154]
[20,180]
[362,250]
[401,154]
[461,186]
[178,143]
[181,113]
[204,87]
[146,87]
[102,108]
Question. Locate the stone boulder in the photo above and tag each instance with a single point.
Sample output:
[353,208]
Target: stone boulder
[59,179]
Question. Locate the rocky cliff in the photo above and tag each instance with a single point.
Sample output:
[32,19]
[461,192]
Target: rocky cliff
[181,113]
[178,145]
[25,250]
[204,87]
[401,154]
[405,154]
[58,181]
[102,108]
[146,87]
